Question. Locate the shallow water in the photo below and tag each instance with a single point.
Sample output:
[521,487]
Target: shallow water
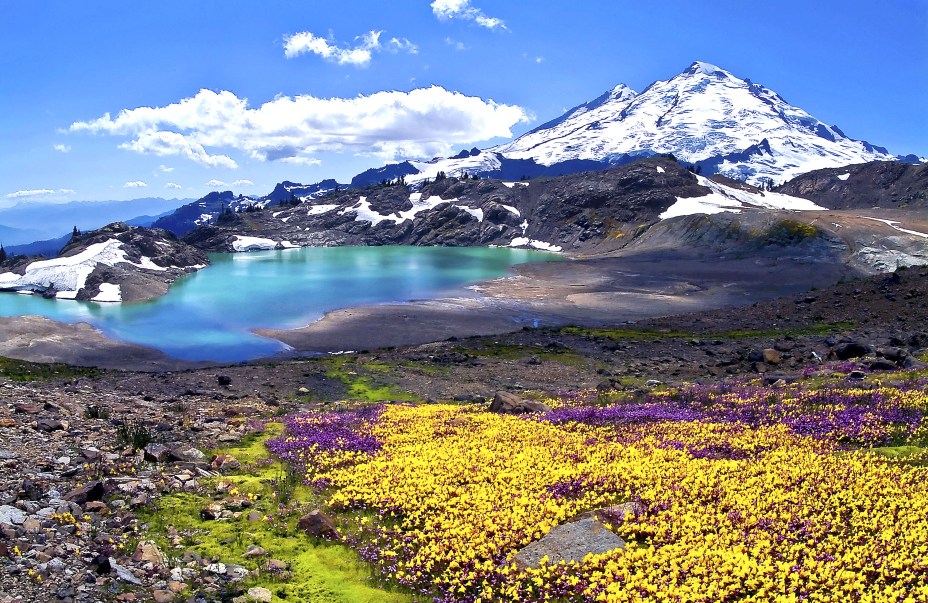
[209,315]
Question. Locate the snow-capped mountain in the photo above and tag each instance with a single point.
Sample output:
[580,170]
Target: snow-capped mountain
[704,116]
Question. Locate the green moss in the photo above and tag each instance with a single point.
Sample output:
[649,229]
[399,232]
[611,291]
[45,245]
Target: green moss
[320,571]
[21,370]
[789,232]
[365,380]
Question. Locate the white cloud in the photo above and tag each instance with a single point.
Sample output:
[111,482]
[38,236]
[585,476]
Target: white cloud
[300,160]
[36,192]
[134,184]
[423,122]
[455,44]
[462,9]
[539,60]
[172,185]
[402,45]
[62,148]
[243,182]
[67,191]
[172,143]
[306,42]
[215,183]
[165,169]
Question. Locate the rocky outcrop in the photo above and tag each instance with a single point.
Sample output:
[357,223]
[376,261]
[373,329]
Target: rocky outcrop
[886,184]
[115,263]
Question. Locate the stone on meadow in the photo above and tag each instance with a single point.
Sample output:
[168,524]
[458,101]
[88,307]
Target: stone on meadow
[260,594]
[318,525]
[570,542]
[507,403]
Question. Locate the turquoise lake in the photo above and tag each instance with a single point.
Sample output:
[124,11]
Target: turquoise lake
[209,315]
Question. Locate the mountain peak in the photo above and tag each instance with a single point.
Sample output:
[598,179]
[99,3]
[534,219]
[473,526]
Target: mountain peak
[701,67]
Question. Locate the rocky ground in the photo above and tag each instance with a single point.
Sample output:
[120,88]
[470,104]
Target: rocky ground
[72,488]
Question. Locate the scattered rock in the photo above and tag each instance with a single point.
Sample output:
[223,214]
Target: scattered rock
[507,403]
[260,594]
[771,356]
[156,453]
[90,491]
[849,350]
[50,425]
[148,552]
[11,515]
[225,462]
[253,552]
[123,573]
[162,596]
[318,525]
[224,380]
[186,453]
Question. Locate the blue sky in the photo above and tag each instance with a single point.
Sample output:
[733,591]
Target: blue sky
[333,88]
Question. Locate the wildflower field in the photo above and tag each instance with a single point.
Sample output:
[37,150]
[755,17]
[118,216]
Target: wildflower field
[747,493]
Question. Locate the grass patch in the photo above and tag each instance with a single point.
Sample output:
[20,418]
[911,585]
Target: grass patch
[22,370]
[320,571]
[366,381]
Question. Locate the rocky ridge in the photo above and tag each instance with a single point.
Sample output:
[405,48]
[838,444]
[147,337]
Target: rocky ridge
[114,263]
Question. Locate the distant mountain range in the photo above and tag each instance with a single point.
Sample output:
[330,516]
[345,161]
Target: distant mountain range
[31,222]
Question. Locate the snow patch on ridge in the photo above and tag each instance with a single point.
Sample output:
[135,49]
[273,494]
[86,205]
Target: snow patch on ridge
[69,274]
[364,213]
[108,293]
[241,243]
[893,224]
[527,242]
[725,198]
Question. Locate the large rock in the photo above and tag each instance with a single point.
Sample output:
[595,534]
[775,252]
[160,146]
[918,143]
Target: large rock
[157,453]
[89,492]
[852,349]
[318,525]
[187,454]
[148,552]
[11,515]
[507,403]
[570,542]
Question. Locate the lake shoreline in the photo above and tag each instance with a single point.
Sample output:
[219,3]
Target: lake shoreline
[586,291]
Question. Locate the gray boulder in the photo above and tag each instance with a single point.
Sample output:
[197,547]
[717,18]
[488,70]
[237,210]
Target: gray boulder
[507,403]
[570,542]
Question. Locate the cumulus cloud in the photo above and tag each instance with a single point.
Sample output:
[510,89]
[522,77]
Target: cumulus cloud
[62,148]
[67,191]
[360,55]
[215,183]
[462,9]
[174,143]
[423,122]
[172,185]
[134,184]
[165,169]
[243,182]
